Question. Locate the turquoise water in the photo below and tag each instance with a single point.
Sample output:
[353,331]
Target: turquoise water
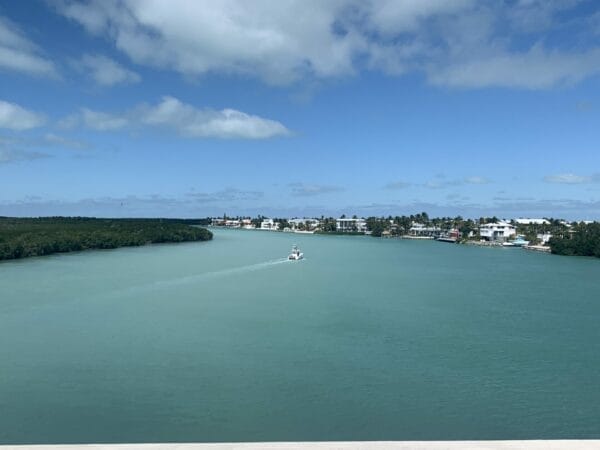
[364,339]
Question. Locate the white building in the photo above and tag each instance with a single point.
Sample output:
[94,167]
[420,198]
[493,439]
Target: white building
[498,231]
[307,224]
[351,225]
[247,223]
[269,224]
[544,238]
[523,221]
[419,229]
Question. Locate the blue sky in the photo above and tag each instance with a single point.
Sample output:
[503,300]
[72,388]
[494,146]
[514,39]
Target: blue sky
[293,108]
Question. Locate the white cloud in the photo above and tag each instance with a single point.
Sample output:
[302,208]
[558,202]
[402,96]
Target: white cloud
[457,43]
[194,122]
[277,41]
[15,117]
[187,120]
[391,17]
[17,53]
[571,178]
[107,72]
[536,69]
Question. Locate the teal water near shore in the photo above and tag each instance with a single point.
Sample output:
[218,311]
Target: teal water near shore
[365,339]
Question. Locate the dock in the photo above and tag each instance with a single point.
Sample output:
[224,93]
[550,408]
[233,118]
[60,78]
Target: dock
[538,248]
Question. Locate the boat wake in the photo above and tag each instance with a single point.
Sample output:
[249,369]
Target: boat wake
[190,279]
[221,273]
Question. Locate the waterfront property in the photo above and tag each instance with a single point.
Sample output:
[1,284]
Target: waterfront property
[498,231]
[303,224]
[354,225]
[269,224]
[421,230]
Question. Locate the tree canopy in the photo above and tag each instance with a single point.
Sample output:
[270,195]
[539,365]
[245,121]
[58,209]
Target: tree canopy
[24,237]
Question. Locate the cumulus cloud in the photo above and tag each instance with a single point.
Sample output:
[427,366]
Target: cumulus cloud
[459,43]
[276,41]
[15,117]
[537,68]
[107,72]
[186,120]
[194,122]
[311,190]
[19,54]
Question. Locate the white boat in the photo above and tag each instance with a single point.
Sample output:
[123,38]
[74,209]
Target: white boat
[296,254]
[518,242]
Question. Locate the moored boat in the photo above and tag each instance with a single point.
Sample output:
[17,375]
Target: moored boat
[519,241]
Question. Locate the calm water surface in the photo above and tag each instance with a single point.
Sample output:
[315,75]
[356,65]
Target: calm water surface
[364,339]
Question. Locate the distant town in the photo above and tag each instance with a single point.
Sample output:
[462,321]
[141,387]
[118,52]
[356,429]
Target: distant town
[538,234]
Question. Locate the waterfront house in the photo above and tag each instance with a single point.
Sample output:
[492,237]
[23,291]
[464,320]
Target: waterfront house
[303,224]
[351,225]
[544,238]
[247,223]
[269,224]
[498,231]
[217,222]
[421,230]
[232,223]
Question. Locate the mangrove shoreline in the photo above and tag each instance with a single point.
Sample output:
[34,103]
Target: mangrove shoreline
[29,237]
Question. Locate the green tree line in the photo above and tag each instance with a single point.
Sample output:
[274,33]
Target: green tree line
[25,237]
[582,240]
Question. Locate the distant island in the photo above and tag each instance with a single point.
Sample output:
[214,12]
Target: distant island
[26,237]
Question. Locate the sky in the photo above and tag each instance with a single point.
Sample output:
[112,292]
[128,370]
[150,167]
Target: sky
[152,108]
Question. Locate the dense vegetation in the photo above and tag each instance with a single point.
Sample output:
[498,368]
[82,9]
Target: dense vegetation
[23,237]
[582,240]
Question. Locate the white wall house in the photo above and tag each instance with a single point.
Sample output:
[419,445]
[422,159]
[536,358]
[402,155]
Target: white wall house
[498,231]
[309,224]
[544,238]
[269,224]
[349,225]
[419,229]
